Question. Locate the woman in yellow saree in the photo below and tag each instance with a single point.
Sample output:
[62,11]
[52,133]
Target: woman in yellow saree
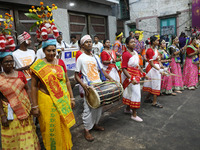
[53,99]
[17,127]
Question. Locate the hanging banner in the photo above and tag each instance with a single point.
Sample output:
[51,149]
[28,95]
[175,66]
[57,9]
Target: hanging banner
[196,13]
[69,58]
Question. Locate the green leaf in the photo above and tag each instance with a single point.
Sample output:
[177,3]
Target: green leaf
[57,26]
[34,25]
[33,16]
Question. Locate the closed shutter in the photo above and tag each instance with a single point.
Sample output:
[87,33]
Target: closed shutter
[82,24]
[78,25]
[97,26]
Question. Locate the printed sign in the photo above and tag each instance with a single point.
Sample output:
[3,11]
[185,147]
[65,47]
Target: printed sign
[69,58]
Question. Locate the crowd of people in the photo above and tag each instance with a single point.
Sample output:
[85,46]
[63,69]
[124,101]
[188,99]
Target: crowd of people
[37,85]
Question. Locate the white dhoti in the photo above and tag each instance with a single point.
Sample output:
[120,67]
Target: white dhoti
[90,116]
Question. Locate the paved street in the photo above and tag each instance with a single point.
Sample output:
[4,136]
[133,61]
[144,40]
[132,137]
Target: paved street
[175,127]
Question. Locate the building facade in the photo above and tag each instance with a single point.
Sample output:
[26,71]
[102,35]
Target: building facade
[78,17]
[164,17]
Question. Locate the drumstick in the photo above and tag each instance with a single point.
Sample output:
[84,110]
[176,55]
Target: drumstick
[33,61]
[149,80]
[155,79]
[145,81]
[172,74]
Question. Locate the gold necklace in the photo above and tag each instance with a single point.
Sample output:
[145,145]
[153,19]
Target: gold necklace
[53,65]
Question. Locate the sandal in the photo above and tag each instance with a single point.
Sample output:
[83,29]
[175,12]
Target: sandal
[128,112]
[157,105]
[88,137]
[148,100]
[98,128]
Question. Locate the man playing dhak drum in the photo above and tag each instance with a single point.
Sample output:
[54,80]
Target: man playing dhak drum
[87,64]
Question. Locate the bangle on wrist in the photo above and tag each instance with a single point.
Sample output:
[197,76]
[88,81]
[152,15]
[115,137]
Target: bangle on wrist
[35,107]
[132,78]
[72,99]
[144,74]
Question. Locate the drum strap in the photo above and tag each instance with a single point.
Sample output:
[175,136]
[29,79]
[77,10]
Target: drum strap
[103,78]
[89,82]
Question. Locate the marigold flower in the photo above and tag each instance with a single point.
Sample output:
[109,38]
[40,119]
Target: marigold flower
[50,21]
[10,25]
[42,8]
[56,7]
[53,5]
[30,10]
[39,16]
[7,14]
[38,9]
[34,10]
[0,23]
[11,18]
[37,23]
[41,22]
[49,9]
[9,33]
[41,3]
[32,7]
[53,20]
[48,15]
[6,17]
[43,15]
[1,16]
[51,14]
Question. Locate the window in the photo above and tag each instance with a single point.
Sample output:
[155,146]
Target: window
[168,26]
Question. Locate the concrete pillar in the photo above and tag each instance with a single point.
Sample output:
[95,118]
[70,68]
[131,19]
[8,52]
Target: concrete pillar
[61,18]
[112,28]
[126,28]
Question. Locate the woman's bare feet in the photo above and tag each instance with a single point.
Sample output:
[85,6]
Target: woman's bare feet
[174,94]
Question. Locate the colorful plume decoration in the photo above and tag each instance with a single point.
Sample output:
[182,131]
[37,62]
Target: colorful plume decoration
[45,25]
[7,42]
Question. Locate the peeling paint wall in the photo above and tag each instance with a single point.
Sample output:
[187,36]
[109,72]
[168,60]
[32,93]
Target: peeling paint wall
[147,13]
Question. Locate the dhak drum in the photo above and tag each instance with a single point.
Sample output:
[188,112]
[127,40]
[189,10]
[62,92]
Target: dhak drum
[104,93]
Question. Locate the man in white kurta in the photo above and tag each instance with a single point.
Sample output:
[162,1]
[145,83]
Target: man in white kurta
[87,65]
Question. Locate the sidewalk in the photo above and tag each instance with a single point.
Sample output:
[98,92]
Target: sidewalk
[175,127]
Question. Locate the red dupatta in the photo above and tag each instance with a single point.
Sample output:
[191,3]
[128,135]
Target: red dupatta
[13,89]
